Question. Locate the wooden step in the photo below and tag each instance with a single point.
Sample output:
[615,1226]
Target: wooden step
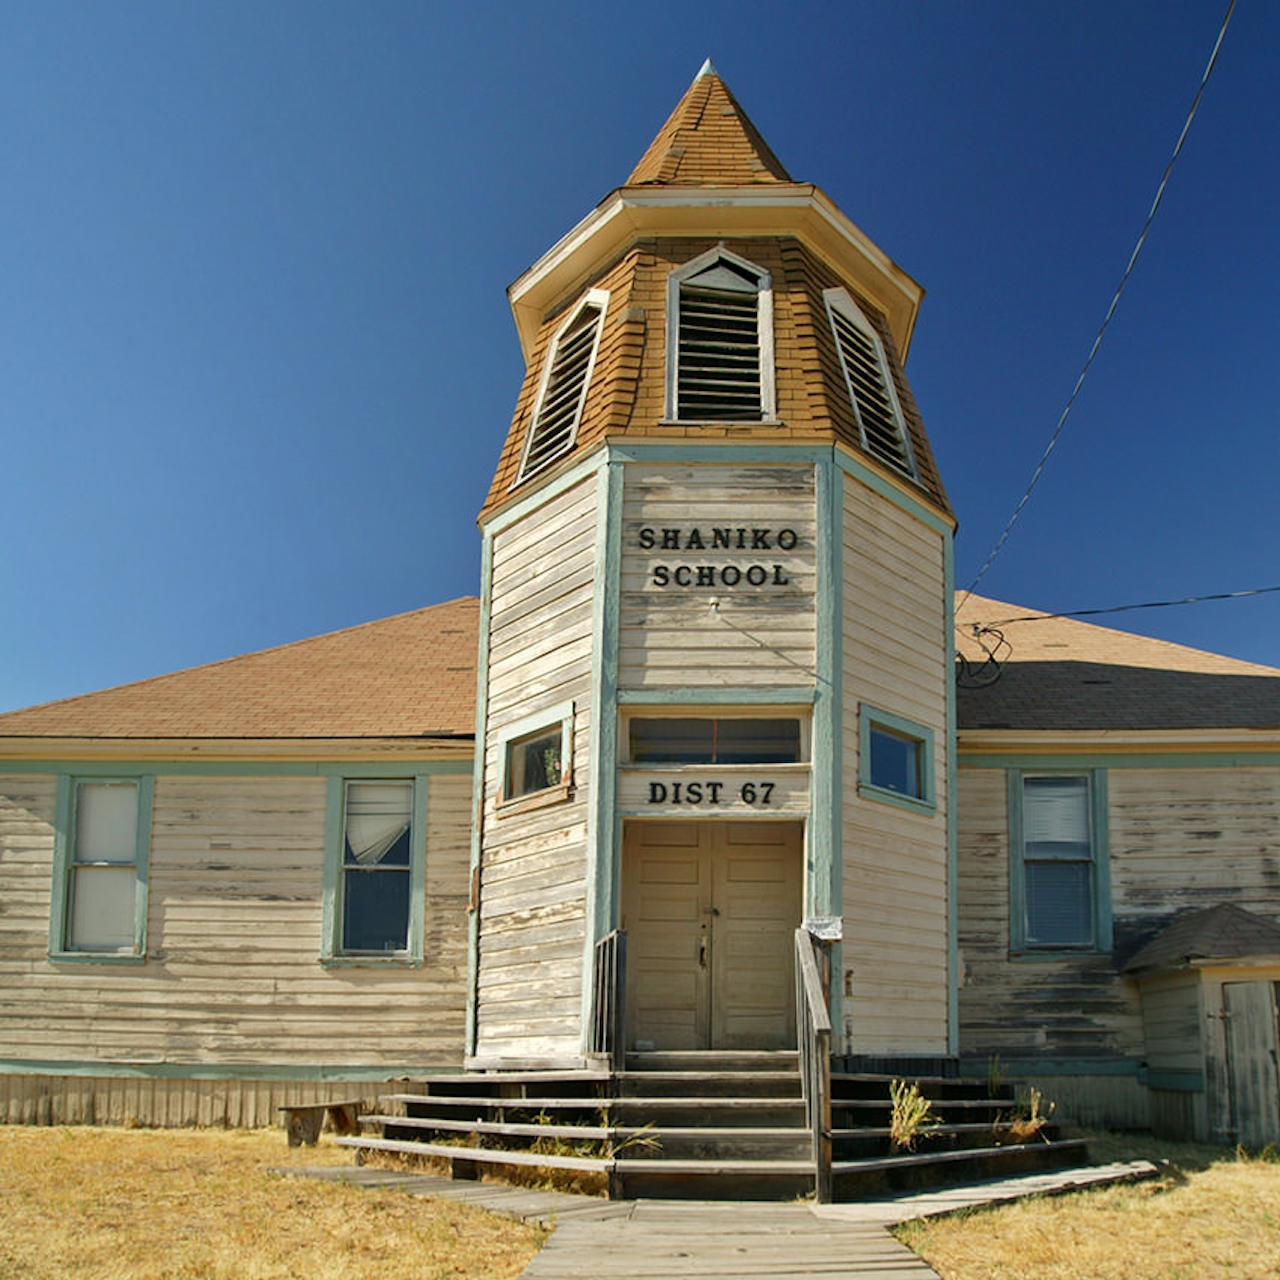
[478,1155]
[707,1084]
[715,1060]
[713,1179]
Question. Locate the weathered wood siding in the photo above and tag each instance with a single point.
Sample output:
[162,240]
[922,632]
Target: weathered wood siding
[534,861]
[760,635]
[897,660]
[232,976]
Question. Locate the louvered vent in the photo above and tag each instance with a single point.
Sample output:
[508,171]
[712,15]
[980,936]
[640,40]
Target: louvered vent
[719,348]
[556,421]
[873,402]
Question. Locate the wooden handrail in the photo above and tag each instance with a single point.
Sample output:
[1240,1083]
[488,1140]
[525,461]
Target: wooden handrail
[813,1036]
[608,1031]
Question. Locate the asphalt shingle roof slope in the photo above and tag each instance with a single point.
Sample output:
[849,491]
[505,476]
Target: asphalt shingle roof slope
[1061,673]
[1224,932]
[408,676]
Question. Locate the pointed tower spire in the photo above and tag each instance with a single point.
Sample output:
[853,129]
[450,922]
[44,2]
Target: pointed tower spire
[708,141]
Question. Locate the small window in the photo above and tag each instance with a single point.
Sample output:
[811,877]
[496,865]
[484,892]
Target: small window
[537,759]
[714,741]
[871,392]
[720,351]
[100,900]
[565,379]
[377,873]
[897,760]
[1058,898]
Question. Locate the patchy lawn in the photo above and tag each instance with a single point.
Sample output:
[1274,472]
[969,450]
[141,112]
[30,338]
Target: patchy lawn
[1211,1215]
[133,1204]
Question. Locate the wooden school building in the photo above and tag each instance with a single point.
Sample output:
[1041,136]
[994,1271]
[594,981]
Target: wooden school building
[709,696]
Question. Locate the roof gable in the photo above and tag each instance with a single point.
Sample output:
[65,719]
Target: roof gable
[1224,932]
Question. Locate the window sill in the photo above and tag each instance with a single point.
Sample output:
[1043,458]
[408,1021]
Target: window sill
[1047,955]
[535,800]
[910,803]
[96,957]
[720,423]
[398,960]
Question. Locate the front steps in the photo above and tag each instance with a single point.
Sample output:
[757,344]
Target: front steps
[715,1126]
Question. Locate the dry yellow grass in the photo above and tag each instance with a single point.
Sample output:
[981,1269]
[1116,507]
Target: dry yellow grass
[119,1204]
[1210,1217]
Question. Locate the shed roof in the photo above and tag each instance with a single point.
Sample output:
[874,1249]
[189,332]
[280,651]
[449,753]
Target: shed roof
[1023,669]
[1224,932]
[408,676]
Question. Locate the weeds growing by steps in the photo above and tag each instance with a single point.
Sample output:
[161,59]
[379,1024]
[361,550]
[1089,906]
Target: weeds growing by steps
[911,1117]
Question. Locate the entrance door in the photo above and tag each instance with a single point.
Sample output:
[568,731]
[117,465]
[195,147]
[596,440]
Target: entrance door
[710,909]
[1252,1076]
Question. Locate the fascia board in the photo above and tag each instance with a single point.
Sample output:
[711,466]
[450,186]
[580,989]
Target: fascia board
[629,213]
[261,749]
[1103,741]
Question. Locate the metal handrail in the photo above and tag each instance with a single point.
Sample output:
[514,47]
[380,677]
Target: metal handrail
[813,1036]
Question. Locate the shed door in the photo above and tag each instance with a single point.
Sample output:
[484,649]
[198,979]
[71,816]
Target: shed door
[1252,1072]
[710,909]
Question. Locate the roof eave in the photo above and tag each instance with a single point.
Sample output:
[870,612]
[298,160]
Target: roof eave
[796,209]
[1114,741]
[437,746]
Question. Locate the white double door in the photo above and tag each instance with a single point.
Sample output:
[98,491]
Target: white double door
[710,910]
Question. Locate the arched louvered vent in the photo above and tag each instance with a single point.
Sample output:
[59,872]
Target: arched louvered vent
[723,353]
[565,379]
[866,373]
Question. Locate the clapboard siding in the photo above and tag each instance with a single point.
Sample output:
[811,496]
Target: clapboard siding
[896,660]
[236,889]
[534,861]
[667,633]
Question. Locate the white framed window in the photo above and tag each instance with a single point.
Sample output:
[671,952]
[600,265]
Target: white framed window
[733,740]
[720,340]
[870,385]
[536,759]
[1059,883]
[562,391]
[375,890]
[100,868]
[896,760]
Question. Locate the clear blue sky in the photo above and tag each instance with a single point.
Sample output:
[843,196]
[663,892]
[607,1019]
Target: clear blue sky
[256,360]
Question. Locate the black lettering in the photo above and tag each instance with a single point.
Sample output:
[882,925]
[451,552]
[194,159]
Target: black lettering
[661,575]
[787,539]
[647,540]
[766,790]
[720,538]
[731,575]
[714,788]
[779,578]
[706,575]
[759,539]
[694,541]
[757,575]
[683,576]
[675,793]
[742,539]
[657,792]
[693,793]
[671,539]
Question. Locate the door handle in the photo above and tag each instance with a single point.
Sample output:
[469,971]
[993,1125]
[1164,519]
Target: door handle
[702,954]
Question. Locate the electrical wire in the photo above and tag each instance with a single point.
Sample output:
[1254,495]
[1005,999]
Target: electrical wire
[1115,301]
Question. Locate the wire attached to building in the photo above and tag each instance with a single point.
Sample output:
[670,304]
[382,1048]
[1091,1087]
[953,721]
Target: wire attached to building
[1124,280]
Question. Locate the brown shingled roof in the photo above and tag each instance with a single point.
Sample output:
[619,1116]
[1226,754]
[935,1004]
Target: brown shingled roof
[708,141]
[1061,673]
[408,676]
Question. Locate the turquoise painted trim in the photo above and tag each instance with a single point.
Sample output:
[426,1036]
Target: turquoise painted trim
[692,696]
[1014,1067]
[249,769]
[60,949]
[826,803]
[742,454]
[548,492]
[332,955]
[870,718]
[1019,948]
[1077,761]
[1176,1081]
[561,714]
[853,466]
[213,1071]
[953,836]
[604,824]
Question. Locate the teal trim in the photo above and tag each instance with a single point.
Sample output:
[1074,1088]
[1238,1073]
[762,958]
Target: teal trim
[1078,761]
[61,949]
[1176,1081]
[953,837]
[744,455]
[853,466]
[871,718]
[604,824]
[330,768]
[826,804]
[332,954]
[1100,884]
[548,492]
[1014,1067]
[214,1071]
[691,696]
[477,792]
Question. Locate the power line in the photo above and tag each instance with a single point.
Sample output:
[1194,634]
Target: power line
[1115,300]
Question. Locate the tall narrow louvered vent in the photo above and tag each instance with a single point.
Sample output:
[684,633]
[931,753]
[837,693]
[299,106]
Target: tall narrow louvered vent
[564,391]
[719,347]
[874,403]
